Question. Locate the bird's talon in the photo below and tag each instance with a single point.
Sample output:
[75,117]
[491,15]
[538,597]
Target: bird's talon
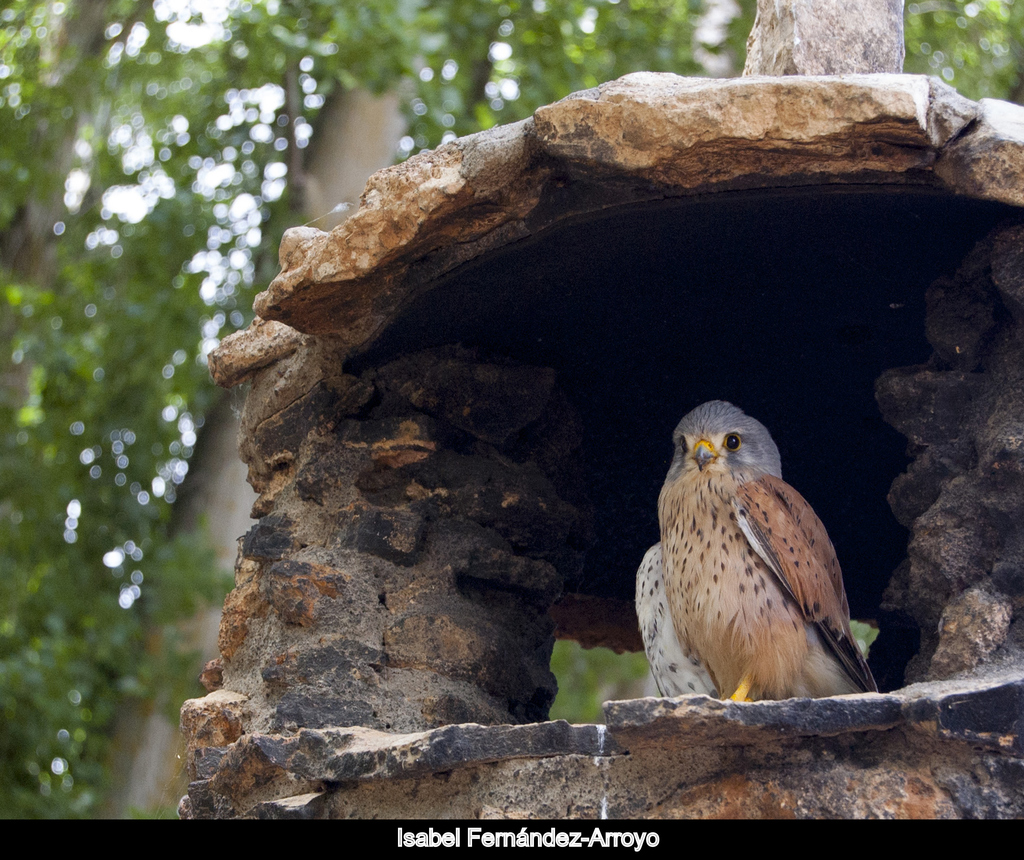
[742,693]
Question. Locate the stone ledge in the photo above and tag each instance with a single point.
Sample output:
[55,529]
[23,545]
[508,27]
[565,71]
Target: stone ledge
[903,742]
[695,721]
[657,123]
[337,755]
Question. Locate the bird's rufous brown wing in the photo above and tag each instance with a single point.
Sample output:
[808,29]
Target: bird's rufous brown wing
[788,536]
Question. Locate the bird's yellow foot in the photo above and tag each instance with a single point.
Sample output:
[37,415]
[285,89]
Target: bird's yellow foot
[742,693]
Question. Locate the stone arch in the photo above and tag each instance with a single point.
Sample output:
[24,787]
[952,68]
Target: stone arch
[461,397]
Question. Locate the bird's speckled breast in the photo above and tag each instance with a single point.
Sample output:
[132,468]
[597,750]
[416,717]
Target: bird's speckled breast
[726,604]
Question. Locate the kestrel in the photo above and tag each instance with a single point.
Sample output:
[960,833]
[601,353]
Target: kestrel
[744,593]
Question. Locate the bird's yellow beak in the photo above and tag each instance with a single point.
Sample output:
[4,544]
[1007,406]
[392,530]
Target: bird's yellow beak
[703,453]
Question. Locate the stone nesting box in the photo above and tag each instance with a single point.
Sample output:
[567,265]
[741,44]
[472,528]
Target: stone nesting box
[460,414]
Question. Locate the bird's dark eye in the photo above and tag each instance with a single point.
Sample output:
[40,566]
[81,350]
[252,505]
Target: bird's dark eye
[733,441]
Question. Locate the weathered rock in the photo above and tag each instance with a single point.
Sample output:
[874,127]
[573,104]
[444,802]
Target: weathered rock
[294,588]
[302,807]
[212,676]
[215,720]
[276,441]
[300,707]
[396,536]
[206,761]
[480,652]
[483,569]
[243,606]
[959,321]
[672,131]
[951,549]
[356,753]
[242,353]
[460,390]
[246,773]
[441,185]
[825,37]
[926,406]
[331,664]
[972,627]
[917,489]
[988,159]
[272,538]
[202,802]
[963,495]
[301,395]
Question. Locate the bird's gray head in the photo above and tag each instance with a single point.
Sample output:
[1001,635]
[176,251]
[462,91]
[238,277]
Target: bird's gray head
[718,437]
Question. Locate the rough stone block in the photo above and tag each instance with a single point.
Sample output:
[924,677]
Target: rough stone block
[301,807]
[917,489]
[949,551]
[277,439]
[203,802]
[214,720]
[212,676]
[959,320]
[989,716]
[394,535]
[246,772]
[926,406]
[987,161]
[361,753]
[825,37]
[492,402]
[244,605]
[475,649]
[519,502]
[393,441]
[652,135]
[493,568]
[270,539]
[294,588]
[318,710]
[331,665]
[206,761]
[972,627]
[242,353]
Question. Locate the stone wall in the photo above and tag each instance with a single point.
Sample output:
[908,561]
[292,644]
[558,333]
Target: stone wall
[962,498]
[416,523]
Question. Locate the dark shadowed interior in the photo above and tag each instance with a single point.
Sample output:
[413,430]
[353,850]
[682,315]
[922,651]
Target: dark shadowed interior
[788,303]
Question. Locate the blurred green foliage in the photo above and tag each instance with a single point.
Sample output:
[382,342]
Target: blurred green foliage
[977,47]
[865,634]
[145,162]
[587,678]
